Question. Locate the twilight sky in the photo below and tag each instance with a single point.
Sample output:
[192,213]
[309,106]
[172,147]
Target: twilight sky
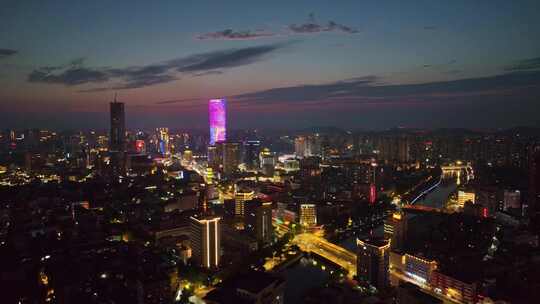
[280,64]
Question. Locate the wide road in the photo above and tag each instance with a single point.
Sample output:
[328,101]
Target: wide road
[309,242]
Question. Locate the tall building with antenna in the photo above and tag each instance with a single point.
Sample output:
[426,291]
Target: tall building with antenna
[117,140]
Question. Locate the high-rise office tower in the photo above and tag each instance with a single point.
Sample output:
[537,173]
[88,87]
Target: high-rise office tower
[118,127]
[218,120]
[314,145]
[300,146]
[231,157]
[404,149]
[214,157]
[268,162]
[31,139]
[395,229]
[308,215]
[206,241]
[251,154]
[163,140]
[241,197]
[259,220]
[264,230]
[372,261]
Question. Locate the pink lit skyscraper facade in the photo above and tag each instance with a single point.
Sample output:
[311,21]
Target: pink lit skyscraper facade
[218,120]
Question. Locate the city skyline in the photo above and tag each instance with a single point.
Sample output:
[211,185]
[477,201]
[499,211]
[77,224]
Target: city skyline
[369,66]
[277,152]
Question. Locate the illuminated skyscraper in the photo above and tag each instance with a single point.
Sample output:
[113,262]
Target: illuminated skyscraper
[268,162]
[465,196]
[206,241]
[187,156]
[259,220]
[217,119]
[163,140]
[231,157]
[395,228]
[373,261]
[300,146]
[251,153]
[215,157]
[242,196]
[117,138]
[308,215]
[118,127]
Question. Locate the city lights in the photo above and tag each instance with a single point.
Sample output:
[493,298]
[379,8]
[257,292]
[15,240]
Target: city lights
[179,152]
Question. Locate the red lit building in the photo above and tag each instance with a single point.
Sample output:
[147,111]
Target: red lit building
[140,146]
[372,194]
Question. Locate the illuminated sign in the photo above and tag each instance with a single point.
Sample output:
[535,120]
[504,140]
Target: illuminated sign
[372,194]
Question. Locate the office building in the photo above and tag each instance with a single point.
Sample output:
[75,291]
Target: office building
[308,215]
[416,268]
[395,229]
[459,290]
[300,146]
[251,154]
[241,197]
[117,139]
[118,127]
[305,146]
[259,220]
[163,141]
[465,196]
[373,261]
[419,269]
[511,199]
[231,157]
[489,197]
[206,241]
[268,162]
[187,156]
[214,157]
[291,165]
[218,120]
[209,175]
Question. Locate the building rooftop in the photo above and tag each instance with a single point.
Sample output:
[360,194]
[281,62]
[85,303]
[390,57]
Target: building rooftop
[253,282]
[377,242]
